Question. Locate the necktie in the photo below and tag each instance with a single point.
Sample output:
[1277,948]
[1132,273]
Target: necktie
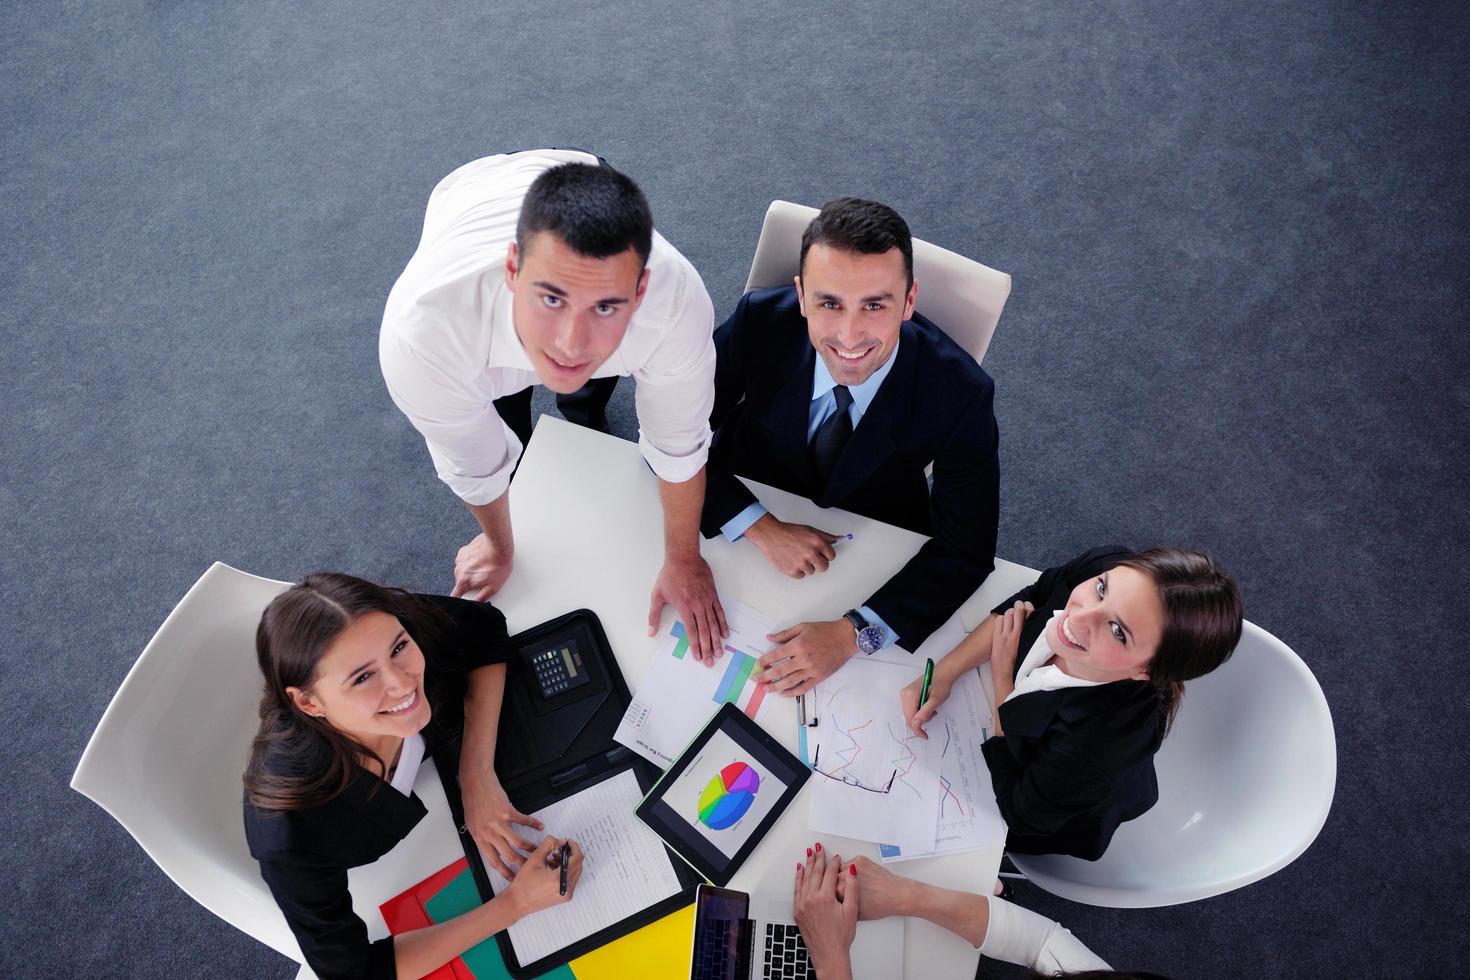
[832,435]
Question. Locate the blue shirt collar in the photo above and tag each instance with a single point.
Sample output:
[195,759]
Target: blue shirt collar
[863,394]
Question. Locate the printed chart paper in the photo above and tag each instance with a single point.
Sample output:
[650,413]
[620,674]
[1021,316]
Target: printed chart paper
[625,868]
[679,694]
[968,816]
[872,778]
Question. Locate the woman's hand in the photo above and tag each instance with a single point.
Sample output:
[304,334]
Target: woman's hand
[827,924]
[883,892]
[1005,641]
[537,885]
[918,715]
[491,820]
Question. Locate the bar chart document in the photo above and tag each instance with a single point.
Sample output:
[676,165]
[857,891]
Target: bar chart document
[625,867]
[679,694]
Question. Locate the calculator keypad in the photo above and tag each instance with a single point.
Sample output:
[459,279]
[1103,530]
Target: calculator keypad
[558,670]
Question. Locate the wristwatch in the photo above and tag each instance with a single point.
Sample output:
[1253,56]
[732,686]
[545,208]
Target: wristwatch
[869,637]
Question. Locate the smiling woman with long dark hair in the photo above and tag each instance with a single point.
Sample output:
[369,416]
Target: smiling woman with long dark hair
[361,683]
[1089,664]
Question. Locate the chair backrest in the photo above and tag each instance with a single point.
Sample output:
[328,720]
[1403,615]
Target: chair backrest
[1245,782]
[167,756]
[961,296]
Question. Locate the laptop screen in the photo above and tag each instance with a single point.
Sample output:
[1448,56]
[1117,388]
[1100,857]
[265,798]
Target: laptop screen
[721,934]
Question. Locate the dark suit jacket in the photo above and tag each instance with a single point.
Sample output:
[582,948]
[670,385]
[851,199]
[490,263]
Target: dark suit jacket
[1073,763]
[934,406]
[304,855]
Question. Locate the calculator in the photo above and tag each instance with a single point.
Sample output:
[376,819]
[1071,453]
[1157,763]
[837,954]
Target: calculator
[559,669]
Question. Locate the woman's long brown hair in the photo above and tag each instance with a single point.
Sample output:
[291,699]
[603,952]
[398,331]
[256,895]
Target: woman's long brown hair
[298,761]
[1203,613]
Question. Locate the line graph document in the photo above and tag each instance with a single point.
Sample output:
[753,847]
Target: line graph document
[678,694]
[625,868]
[968,816]
[872,778]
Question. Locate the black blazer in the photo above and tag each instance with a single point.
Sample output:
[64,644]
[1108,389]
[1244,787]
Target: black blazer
[304,854]
[1073,763]
[934,406]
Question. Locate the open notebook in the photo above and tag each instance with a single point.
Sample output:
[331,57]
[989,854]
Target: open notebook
[625,868]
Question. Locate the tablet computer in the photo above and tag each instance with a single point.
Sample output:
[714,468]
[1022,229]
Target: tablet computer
[722,794]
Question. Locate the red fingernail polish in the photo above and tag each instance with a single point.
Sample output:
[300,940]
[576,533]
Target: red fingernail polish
[819,846]
[808,852]
[852,869]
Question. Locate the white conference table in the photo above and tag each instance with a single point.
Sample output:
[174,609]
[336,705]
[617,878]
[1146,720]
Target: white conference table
[589,534]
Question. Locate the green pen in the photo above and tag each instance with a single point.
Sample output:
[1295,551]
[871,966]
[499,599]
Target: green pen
[928,678]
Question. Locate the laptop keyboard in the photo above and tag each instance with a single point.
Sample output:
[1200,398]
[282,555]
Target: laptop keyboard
[713,955]
[786,953]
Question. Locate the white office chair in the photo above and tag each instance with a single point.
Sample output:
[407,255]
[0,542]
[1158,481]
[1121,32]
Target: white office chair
[1245,782]
[961,296]
[167,756]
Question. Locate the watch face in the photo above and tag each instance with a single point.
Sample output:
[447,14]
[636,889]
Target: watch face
[870,639]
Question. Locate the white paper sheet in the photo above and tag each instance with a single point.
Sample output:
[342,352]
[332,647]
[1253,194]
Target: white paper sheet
[861,738]
[625,868]
[678,694]
[968,816]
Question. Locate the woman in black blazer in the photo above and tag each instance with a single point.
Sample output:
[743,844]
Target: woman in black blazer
[358,680]
[1095,652]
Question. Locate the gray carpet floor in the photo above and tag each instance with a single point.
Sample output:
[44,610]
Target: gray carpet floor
[1238,232]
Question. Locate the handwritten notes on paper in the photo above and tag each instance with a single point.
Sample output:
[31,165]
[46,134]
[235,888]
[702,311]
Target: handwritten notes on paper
[625,868]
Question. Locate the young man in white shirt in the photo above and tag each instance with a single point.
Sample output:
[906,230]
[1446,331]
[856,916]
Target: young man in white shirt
[544,265]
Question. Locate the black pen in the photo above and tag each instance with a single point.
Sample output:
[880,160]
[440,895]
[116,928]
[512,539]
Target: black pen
[566,859]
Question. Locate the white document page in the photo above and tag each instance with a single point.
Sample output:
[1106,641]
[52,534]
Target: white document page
[679,694]
[969,818]
[625,868]
[873,779]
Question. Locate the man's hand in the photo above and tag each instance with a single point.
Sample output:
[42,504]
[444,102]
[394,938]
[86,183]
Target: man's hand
[792,549]
[688,585]
[480,569]
[491,820]
[809,652]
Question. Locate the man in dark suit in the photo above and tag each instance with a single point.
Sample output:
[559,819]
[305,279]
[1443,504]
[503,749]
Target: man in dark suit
[836,390]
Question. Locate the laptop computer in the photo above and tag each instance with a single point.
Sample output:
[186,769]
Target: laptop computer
[740,937]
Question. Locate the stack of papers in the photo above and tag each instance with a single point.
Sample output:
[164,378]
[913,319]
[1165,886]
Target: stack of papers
[968,818]
[872,779]
[964,814]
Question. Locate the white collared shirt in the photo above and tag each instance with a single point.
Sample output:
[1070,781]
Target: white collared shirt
[448,347]
[824,402]
[410,757]
[1033,676]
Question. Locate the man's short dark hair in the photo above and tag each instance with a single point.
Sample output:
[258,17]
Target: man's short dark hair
[855,225]
[597,211]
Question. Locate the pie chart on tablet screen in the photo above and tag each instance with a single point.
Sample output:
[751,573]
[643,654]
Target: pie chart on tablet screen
[727,796]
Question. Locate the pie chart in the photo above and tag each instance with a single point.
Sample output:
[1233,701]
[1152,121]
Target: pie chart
[728,795]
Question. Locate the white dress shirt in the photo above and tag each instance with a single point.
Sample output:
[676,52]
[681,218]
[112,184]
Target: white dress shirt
[1019,935]
[410,757]
[1038,675]
[448,347]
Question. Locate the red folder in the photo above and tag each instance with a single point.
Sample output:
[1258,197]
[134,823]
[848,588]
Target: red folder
[407,911]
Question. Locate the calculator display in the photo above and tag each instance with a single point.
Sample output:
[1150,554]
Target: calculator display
[559,669]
